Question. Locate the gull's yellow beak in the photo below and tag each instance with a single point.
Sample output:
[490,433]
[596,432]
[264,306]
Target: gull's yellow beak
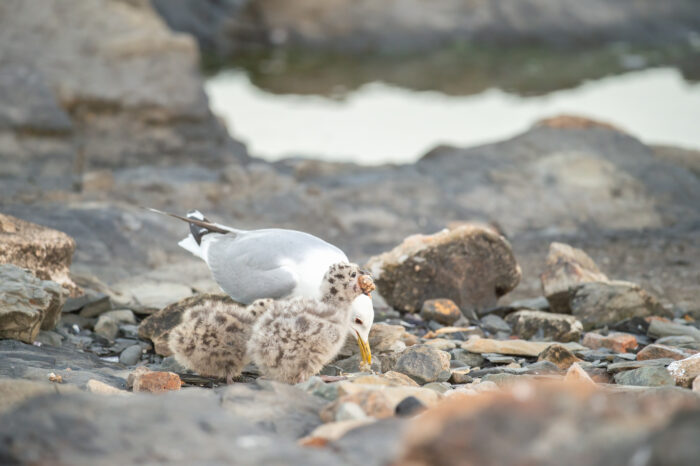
[365,352]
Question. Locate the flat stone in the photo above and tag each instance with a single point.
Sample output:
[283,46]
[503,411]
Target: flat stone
[157,326]
[96,306]
[88,298]
[559,356]
[659,329]
[145,380]
[441,344]
[333,431]
[423,363]
[684,371]
[44,251]
[465,358]
[656,351]
[566,268]
[653,376]
[681,341]
[101,388]
[471,265]
[629,365]
[514,347]
[616,341]
[444,311]
[27,303]
[455,333]
[597,304]
[541,326]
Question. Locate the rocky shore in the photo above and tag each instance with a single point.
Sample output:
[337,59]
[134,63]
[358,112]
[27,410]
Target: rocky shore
[555,312]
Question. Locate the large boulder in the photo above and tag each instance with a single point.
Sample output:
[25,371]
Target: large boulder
[44,251]
[472,265]
[566,268]
[27,303]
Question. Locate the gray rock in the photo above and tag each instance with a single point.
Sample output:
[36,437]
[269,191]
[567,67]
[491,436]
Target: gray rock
[494,324]
[423,363]
[597,304]
[682,341]
[107,327]
[275,407]
[89,429]
[445,265]
[654,376]
[27,303]
[131,355]
[465,358]
[318,387]
[629,365]
[88,298]
[545,326]
[96,306]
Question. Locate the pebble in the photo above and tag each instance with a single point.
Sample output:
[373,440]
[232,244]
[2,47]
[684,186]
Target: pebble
[616,341]
[107,327]
[656,351]
[409,406]
[443,311]
[131,355]
[145,380]
[424,364]
[494,324]
[348,412]
[559,356]
[461,376]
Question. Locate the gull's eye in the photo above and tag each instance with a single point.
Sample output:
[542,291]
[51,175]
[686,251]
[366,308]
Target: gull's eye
[358,321]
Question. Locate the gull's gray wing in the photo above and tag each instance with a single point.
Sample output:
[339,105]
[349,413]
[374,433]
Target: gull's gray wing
[260,263]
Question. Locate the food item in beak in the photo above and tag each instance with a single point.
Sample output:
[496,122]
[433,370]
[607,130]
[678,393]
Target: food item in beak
[365,351]
[366,284]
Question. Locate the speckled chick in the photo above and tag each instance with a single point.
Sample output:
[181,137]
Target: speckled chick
[295,338]
[211,339]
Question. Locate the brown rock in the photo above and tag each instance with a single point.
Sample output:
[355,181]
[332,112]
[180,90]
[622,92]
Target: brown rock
[27,303]
[558,355]
[443,311]
[515,426]
[597,304]
[145,380]
[545,326]
[684,371]
[471,265]
[657,351]
[44,251]
[616,341]
[566,268]
[514,347]
[157,326]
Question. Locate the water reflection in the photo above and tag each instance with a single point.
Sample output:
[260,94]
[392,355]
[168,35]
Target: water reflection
[395,111]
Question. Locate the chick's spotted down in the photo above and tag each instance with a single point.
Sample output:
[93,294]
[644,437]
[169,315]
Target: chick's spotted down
[211,339]
[294,338]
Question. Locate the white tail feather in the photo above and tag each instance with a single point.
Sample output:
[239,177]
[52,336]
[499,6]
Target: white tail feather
[189,244]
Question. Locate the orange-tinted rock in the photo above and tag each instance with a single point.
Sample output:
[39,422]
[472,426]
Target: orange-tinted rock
[615,341]
[655,351]
[578,375]
[144,380]
[443,311]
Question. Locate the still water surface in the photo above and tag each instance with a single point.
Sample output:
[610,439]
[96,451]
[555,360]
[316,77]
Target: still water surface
[384,123]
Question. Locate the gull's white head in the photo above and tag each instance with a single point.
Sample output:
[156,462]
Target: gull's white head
[362,320]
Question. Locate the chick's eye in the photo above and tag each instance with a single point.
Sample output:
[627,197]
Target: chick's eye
[353,275]
[358,321]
